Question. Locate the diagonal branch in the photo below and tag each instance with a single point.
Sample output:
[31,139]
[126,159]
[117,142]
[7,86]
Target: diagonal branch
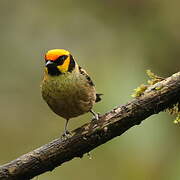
[156,98]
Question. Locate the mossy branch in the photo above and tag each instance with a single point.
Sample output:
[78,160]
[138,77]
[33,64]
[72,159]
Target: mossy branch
[155,98]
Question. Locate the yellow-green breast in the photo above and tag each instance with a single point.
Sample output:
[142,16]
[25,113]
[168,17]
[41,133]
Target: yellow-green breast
[69,94]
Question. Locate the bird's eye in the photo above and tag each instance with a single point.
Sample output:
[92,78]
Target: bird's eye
[63,57]
[60,60]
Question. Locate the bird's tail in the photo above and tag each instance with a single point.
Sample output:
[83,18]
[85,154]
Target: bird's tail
[98,97]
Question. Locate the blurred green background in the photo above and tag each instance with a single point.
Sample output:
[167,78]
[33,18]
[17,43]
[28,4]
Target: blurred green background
[115,41]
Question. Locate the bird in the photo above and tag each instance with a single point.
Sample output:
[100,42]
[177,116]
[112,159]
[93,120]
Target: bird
[67,88]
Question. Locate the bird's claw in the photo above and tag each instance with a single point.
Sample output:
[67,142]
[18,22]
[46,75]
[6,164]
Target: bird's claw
[95,115]
[66,135]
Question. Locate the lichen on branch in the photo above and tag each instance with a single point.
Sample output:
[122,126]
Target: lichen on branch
[154,79]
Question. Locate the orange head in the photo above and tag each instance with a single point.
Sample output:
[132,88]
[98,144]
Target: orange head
[59,61]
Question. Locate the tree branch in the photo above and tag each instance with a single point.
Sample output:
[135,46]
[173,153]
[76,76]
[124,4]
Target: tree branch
[156,98]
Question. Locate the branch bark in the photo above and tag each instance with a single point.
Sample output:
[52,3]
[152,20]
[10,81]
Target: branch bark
[156,98]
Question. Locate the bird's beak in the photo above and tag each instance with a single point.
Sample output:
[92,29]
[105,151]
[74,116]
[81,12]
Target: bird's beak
[49,64]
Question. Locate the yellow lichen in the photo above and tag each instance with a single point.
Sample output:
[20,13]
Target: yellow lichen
[175,110]
[153,77]
[177,120]
[153,80]
[139,90]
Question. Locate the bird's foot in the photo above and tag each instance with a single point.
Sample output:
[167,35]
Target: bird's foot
[95,115]
[66,134]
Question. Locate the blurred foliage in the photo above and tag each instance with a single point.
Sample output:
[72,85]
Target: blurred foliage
[115,41]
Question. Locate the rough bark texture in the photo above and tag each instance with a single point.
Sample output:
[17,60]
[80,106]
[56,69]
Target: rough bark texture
[114,123]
